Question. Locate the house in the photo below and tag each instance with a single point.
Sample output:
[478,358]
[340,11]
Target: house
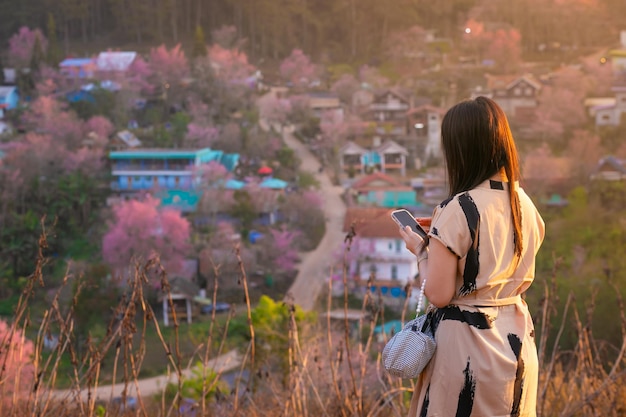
[378,254]
[610,112]
[393,157]
[163,169]
[386,116]
[425,125]
[78,67]
[114,62]
[10,77]
[321,102]
[183,292]
[517,95]
[618,56]
[9,98]
[124,139]
[610,168]
[387,157]
[383,190]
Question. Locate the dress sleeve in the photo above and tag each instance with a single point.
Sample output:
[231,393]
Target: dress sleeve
[449,226]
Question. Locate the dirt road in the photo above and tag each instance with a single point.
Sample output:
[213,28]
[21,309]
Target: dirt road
[314,265]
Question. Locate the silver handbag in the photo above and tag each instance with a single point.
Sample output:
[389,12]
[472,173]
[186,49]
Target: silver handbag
[408,352]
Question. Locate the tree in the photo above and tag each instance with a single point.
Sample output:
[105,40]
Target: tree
[345,87]
[199,46]
[2,79]
[21,46]
[561,104]
[169,68]
[274,111]
[407,51]
[53,57]
[298,69]
[243,209]
[17,371]
[283,250]
[49,116]
[140,230]
[303,212]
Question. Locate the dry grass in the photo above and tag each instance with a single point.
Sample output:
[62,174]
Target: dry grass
[332,369]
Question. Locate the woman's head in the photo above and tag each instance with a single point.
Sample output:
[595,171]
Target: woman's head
[477,143]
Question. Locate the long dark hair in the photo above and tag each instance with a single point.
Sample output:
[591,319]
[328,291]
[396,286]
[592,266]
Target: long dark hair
[477,143]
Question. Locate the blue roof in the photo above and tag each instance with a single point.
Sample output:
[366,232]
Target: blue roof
[76,62]
[273,183]
[232,184]
[230,161]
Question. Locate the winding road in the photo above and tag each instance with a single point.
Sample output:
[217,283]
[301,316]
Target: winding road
[314,267]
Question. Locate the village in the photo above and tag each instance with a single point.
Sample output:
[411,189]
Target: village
[203,175]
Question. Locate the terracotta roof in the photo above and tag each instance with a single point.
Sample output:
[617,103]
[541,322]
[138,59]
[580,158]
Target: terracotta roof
[376,176]
[371,222]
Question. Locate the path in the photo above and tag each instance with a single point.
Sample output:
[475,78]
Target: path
[313,269]
[151,386]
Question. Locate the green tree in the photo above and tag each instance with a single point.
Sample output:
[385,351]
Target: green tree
[53,56]
[37,57]
[272,321]
[199,46]
[243,209]
[2,80]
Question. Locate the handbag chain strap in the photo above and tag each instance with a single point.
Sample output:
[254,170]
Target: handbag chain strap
[420,301]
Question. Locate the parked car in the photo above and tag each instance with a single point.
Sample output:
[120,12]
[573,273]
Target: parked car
[219,307]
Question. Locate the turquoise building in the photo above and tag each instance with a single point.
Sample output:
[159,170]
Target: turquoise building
[162,169]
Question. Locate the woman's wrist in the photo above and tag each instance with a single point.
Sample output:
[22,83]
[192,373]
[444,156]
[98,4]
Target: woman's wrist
[422,254]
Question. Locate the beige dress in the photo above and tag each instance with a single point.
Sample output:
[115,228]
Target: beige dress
[486,359]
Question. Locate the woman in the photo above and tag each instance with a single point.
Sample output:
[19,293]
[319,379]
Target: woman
[478,260]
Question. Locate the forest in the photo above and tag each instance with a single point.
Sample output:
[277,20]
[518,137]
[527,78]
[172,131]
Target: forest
[329,31]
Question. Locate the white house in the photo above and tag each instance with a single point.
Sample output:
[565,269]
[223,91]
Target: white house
[378,254]
[610,113]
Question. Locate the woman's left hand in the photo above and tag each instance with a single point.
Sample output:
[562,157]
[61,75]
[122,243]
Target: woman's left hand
[413,241]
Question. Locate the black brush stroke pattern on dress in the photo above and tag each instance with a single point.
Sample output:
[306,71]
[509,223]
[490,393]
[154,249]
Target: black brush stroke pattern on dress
[476,319]
[424,411]
[516,346]
[471,263]
[466,396]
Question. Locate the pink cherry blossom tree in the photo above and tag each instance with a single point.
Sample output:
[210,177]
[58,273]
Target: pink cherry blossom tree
[275,111]
[561,104]
[21,46]
[169,67]
[345,87]
[298,69]
[282,247]
[100,126]
[17,371]
[48,115]
[140,230]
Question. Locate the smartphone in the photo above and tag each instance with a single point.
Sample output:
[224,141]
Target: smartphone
[404,218]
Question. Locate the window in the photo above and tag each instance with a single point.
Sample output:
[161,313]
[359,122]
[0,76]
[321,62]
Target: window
[517,91]
[394,272]
[528,91]
[398,246]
